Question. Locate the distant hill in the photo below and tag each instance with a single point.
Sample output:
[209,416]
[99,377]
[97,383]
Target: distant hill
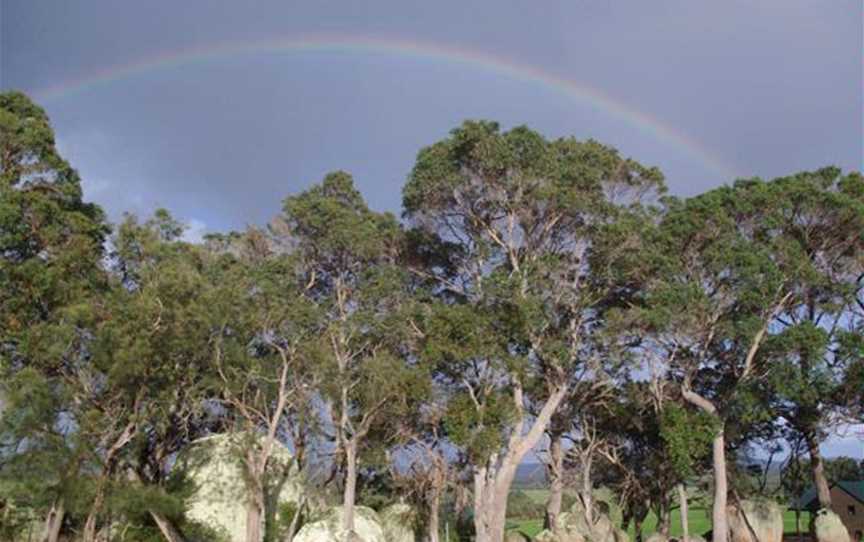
[530,475]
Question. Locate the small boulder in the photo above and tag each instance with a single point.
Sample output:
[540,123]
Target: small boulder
[829,527]
[574,527]
[557,536]
[367,527]
[764,518]
[656,537]
[516,536]
[545,536]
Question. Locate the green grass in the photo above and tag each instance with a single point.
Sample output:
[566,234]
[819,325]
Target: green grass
[699,518]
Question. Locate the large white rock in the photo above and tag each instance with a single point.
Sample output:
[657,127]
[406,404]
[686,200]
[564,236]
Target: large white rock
[765,518]
[367,527]
[829,527]
[219,500]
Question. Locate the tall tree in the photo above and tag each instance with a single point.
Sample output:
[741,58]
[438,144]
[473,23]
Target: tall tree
[262,324]
[150,352]
[506,222]
[50,252]
[349,268]
[816,218]
[720,280]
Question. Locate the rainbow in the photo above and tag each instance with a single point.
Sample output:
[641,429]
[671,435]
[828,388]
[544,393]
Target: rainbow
[579,92]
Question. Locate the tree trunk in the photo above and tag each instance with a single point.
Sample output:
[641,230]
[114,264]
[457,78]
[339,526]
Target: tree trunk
[89,533]
[638,518]
[295,521]
[664,516]
[54,521]
[433,523]
[493,481]
[481,507]
[169,532]
[555,470]
[684,510]
[818,471]
[501,489]
[719,517]
[255,513]
[350,488]
[491,489]
[798,524]
[587,490]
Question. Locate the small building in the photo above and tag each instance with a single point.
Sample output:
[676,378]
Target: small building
[847,501]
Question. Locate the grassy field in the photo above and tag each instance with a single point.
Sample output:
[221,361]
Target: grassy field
[699,519]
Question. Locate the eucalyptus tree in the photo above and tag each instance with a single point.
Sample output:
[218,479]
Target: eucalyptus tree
[816,219]
[587,400]
[150,355]
[720,276]
[349,270]
[506,224]
[426,459]
[50,252]
[643,468]
[262,324]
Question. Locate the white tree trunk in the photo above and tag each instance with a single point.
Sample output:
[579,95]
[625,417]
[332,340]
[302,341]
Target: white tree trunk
[492,482]
[54,521]
[683,508]
[556,482]
[169,532]
[719,516]
[433,525]
[817,471]
[254,516]
[350,494]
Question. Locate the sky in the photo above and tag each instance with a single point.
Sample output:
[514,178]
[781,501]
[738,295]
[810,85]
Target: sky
[217,110]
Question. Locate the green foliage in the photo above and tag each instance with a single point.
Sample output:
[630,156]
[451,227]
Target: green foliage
[521,505]
[688,434]
[50,270]
[518,239]
[528,265]
[284,517]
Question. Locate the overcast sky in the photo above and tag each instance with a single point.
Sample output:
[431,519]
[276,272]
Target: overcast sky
[764,87]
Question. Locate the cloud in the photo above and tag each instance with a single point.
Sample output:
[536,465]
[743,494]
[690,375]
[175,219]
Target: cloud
[846,440]
[195,231]
[114,179]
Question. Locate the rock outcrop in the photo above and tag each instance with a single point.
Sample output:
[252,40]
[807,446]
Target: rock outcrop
[219,500]
[829,528]
[367,527]
[574,527]
[764,519]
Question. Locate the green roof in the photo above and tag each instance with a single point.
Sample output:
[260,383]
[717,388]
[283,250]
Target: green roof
[856,489]
[807,500]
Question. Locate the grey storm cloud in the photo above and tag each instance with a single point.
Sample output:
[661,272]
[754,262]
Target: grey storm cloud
[767,88]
